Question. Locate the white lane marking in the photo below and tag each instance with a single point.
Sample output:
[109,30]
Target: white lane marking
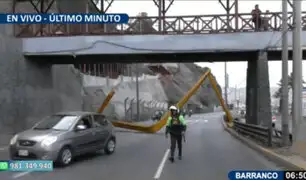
[161,165]
[3,148]
[196,120]
[192,122]
[18,175]
[205,121]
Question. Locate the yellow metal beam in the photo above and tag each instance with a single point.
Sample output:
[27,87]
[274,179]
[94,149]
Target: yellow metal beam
[106,100]
[160,124]
[225,109]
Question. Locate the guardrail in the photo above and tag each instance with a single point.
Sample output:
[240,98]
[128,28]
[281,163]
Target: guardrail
[255,131]
[194,24]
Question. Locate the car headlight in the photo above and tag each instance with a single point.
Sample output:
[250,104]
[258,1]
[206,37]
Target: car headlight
[48,141]
[13,140]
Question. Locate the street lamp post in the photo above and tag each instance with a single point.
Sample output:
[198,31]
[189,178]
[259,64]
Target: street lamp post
[284,88]
[297,70]
[137,93]
[225,83]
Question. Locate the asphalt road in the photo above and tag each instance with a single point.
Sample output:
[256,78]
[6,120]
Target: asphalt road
[209,153]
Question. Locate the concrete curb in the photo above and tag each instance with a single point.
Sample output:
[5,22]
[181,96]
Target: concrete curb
[279,159]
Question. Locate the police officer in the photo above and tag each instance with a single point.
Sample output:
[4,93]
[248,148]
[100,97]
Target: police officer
[176,127]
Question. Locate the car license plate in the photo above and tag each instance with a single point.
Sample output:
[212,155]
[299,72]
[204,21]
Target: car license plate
[23,152]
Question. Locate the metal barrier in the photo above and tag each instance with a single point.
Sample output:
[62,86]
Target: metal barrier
[192,24]
[255,131]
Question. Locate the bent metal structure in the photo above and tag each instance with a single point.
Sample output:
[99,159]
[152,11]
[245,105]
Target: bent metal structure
[160,124]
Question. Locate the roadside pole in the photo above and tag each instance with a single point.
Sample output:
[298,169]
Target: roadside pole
[225,83]
[297,70]
[284,88]
[137,93]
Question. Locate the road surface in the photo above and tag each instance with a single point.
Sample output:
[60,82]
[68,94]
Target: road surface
[209,153]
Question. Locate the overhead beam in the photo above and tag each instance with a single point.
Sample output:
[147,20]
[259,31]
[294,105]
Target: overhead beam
[39,6]
[102,6]
[167,7]
[290,2]
[162,10]
[228,6]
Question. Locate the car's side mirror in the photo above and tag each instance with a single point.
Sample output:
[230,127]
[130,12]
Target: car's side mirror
[104,122]
[80,127]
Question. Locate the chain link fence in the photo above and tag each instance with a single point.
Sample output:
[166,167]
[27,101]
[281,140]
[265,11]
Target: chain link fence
[123,105]
[146,108]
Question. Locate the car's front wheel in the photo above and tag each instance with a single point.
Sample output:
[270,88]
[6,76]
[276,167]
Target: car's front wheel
[110,146]
[65,156]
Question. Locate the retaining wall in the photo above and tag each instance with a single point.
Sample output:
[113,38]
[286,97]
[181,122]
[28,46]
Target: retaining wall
[151,94]
[30,91]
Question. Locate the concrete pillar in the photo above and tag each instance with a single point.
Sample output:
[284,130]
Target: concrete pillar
[258,100]
[264,115]
[251,94]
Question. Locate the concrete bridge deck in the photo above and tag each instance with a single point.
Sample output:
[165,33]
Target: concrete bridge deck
[156,44]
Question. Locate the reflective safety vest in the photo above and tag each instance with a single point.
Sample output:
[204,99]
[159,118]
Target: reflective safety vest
[179,120]
[175,121]
[176,125]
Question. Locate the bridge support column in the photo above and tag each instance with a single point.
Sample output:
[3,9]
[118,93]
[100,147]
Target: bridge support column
[28,90]
[258,100]
[251,94]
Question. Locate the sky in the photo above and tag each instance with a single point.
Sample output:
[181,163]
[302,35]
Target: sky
[206,7]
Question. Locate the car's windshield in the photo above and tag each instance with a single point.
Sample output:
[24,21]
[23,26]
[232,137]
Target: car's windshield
[56,122]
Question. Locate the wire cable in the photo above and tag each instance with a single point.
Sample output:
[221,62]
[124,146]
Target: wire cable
[74,51]
[278,40]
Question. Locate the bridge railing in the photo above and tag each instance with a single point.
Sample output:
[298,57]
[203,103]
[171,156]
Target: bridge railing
[199,24]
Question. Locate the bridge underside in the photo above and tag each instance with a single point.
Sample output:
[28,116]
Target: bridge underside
[157,57]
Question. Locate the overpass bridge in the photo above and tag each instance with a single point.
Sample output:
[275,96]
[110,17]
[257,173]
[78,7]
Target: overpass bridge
[200,38]
[29,81]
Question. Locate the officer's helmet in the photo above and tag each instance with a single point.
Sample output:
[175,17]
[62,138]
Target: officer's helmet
[173,109]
